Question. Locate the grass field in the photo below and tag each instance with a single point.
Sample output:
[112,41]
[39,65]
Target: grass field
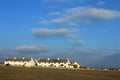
[19,73]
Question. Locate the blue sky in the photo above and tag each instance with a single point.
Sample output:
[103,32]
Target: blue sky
[86,31]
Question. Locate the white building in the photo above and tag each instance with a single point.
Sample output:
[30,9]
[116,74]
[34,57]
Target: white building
[58,63]
[52,63]
[25,62]
[76,65]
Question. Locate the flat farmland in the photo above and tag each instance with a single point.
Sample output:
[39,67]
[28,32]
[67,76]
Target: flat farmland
[21,73]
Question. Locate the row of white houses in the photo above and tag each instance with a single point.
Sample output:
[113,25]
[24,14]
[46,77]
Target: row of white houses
[29,62]
[25,62]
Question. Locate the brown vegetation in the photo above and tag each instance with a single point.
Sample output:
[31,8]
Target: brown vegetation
[20,73]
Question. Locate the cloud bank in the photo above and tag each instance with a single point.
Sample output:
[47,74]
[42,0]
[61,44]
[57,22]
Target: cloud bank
[101,3]
[78,15]
[31,49]
[79,43]
[52,33]
[87,15]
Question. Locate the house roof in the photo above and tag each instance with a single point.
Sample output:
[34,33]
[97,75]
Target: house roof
[53,60]
[18,59]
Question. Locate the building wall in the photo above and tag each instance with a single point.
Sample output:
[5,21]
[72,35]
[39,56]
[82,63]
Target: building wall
[52,64]
[76,65]
[32,63]
[21,63]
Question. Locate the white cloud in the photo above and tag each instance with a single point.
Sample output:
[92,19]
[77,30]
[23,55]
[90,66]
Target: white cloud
[43,22]
[31,49]
[79,42]
[88,14]
[54,13]
[24,50]
[78,15]
[101,3]
[50,33]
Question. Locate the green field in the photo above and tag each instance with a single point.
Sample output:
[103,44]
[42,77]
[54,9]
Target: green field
[19,73]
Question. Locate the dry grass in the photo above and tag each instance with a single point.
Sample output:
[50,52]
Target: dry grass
[19,73]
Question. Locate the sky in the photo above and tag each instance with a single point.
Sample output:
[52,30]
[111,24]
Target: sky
[86,31]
